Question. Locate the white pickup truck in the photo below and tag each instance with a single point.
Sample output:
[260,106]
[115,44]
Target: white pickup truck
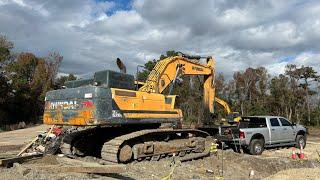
[254,133]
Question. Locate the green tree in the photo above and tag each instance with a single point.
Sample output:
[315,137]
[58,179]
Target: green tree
[5,50]
[62,79]
[31,78]
[148,66]
[5,86]
[307,75]
[301,79]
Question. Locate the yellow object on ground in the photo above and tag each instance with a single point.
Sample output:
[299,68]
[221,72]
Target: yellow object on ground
[214,148]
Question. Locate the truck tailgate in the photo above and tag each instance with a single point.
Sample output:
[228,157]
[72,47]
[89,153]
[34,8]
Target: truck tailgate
[228,133]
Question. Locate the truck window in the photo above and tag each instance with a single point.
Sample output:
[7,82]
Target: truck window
[284,122]
[274,122]
[253,122]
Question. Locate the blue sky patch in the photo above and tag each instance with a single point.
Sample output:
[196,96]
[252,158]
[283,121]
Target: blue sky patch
[120,5]
[287,58]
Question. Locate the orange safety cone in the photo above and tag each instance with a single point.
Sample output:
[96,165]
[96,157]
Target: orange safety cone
[301,154]
[294,155]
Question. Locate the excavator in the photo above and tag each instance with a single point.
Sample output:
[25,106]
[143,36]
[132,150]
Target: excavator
[106,117]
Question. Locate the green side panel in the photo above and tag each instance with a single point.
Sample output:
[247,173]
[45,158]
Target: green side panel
[112,79]
[78,83]
[106,79]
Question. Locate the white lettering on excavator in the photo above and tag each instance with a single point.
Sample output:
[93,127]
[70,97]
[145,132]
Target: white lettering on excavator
[116,113]
[64,105]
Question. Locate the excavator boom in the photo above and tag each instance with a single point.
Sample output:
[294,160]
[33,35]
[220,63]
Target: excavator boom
[165,72]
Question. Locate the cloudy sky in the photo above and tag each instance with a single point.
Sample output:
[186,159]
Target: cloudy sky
[91,34]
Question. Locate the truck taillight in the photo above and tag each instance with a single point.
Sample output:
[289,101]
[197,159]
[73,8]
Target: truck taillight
[241,135]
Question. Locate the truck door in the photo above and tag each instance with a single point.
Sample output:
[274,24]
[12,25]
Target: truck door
[275,130]
[288,131]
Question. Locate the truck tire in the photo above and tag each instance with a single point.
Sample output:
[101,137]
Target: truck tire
[301,139]
[256,146]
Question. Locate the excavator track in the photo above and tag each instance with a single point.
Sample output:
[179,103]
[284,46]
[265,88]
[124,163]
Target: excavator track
[69,134]
[127,146]
[154,144]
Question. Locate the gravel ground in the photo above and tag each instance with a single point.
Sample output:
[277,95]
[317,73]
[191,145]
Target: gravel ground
[236,166]
[272,164]
[296,174]
[21,136]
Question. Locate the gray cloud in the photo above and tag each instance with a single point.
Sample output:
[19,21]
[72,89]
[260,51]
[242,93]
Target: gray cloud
[239,34]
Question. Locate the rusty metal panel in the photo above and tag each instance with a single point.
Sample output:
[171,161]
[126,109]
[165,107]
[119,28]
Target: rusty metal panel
[125,93]
[78,106]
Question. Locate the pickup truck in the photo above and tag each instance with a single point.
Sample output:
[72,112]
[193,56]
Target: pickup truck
[255,133]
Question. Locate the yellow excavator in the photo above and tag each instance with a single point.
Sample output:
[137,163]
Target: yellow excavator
[106,117]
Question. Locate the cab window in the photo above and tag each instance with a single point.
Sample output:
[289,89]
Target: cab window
[253,122]
[274,122]
[284,122]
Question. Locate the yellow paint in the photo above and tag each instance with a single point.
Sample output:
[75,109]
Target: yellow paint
[150,115]
[144,101]
[224,104]
[165,70]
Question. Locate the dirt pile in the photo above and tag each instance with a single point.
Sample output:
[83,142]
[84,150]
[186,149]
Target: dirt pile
[24,172]
[236,166]
[272,164]
[296,174]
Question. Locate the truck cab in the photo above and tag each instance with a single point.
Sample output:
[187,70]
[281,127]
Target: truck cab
[254,133]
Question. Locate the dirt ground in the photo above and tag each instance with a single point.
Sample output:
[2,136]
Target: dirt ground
[21,136]
[272,164]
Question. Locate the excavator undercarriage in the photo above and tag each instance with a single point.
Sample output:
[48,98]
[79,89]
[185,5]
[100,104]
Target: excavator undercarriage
[125,144]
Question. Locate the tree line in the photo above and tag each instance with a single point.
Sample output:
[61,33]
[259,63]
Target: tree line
[24,81]
[293,94]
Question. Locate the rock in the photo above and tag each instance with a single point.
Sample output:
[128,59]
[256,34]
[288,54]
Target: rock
[16,165]
[21,125]
[26,171]
[209,171]
[195,176]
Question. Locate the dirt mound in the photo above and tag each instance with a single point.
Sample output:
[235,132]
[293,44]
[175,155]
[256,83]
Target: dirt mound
[296,174]
[236,166]
[272,164]
[24,172]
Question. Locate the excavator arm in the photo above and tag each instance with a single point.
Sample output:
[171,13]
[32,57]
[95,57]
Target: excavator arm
[224,104]
[232,116]
[165,72]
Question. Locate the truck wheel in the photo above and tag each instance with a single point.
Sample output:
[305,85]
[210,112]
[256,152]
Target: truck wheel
[256,146]
[246,150]
[301,139]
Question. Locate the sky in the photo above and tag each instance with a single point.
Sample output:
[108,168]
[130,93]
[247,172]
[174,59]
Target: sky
[91,34]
